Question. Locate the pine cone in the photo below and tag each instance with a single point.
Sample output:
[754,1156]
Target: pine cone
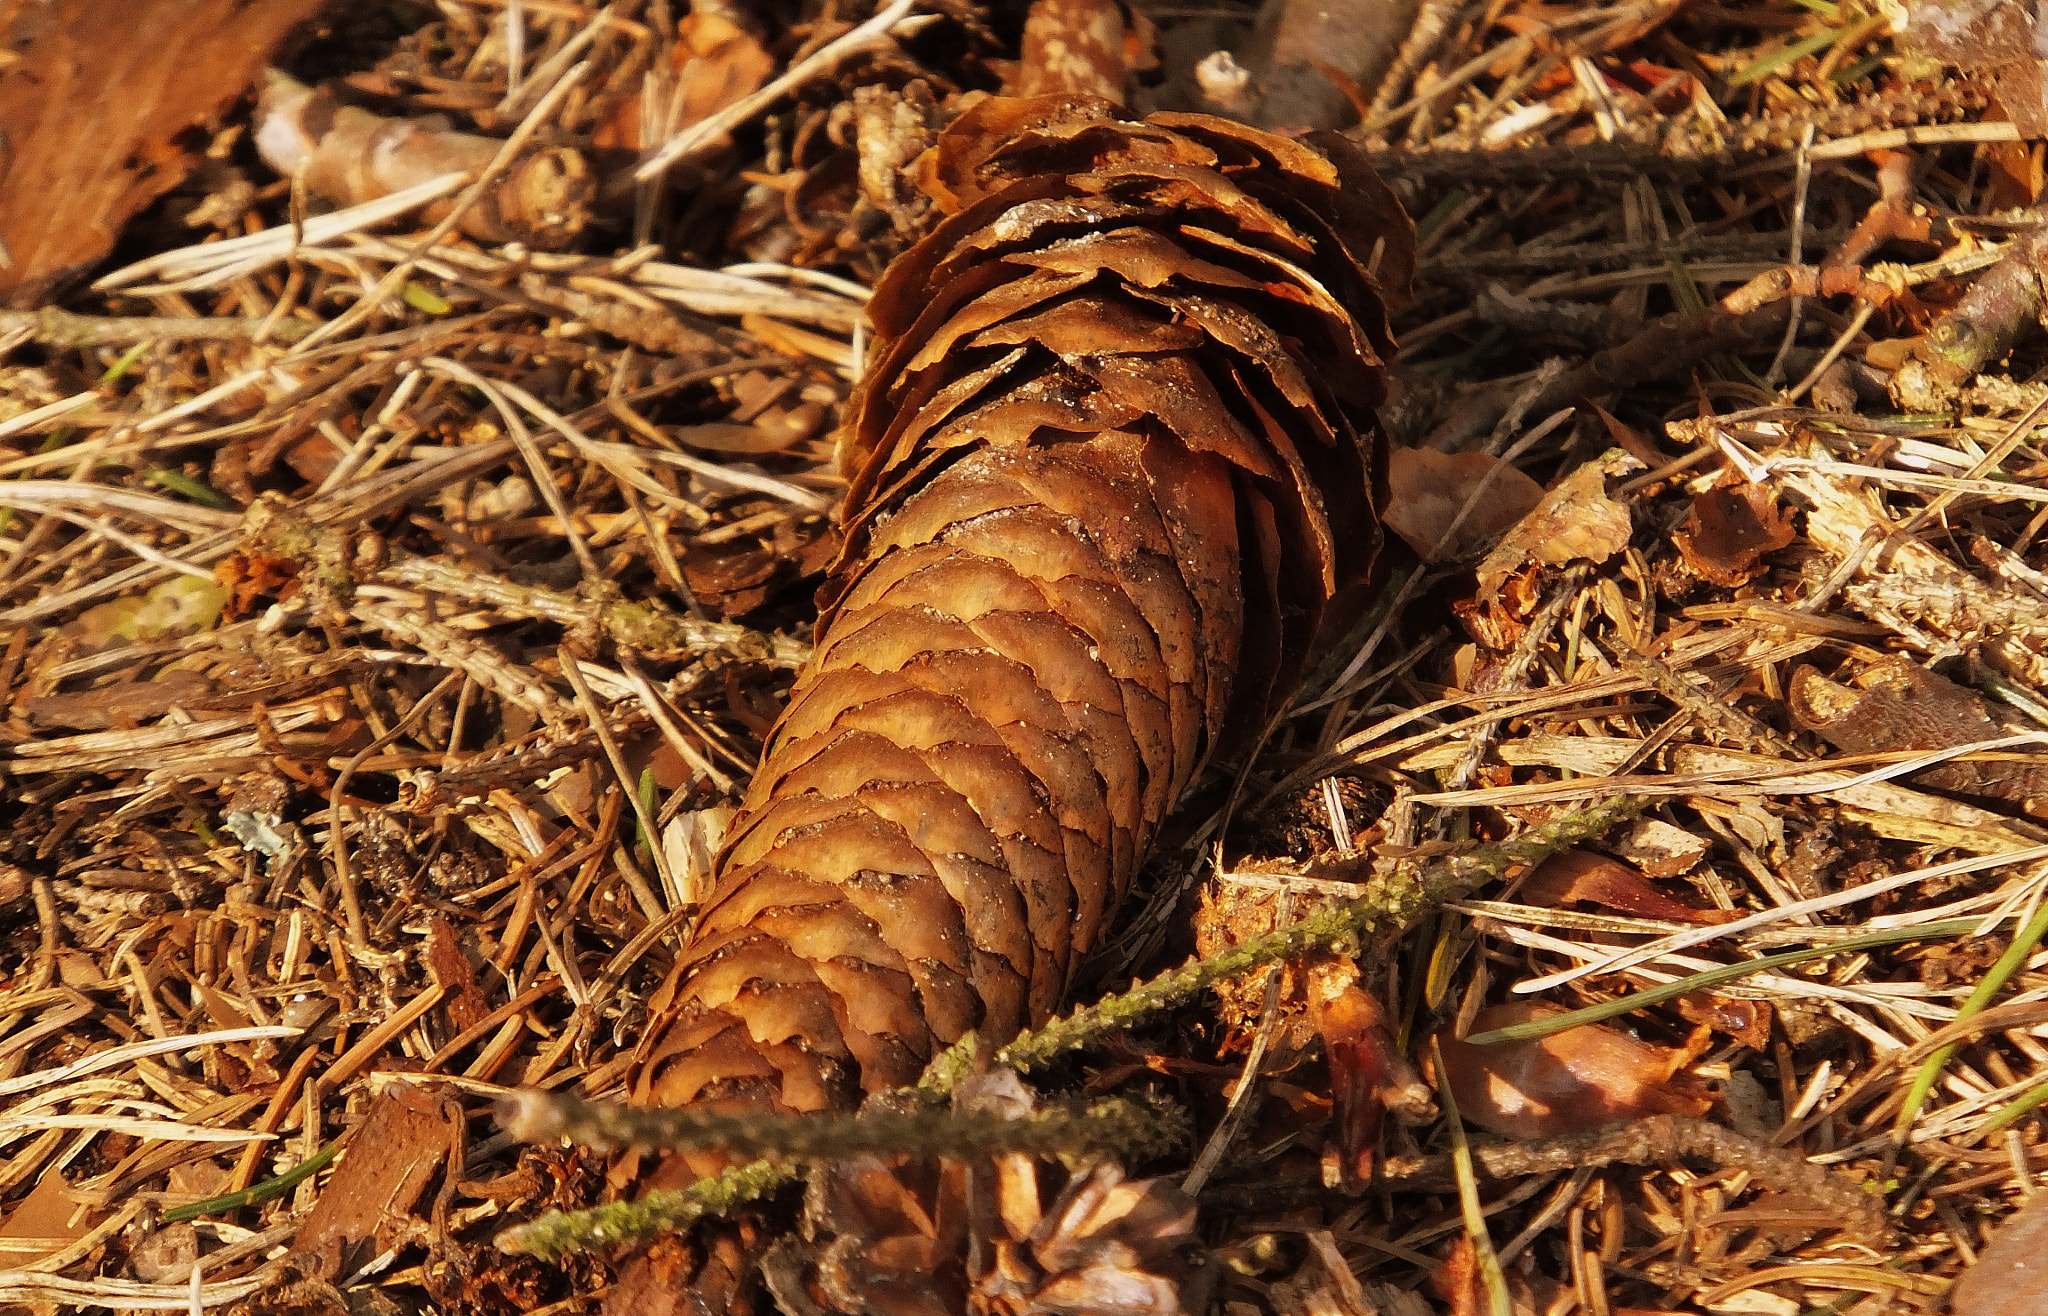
[1112,471]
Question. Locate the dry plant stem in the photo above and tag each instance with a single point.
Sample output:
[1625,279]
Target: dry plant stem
[650,904]
[1132,1129]
[1387,906]
[1842,132]
[1515,673]
[1664,347]
[1468,1193]
[1792,257]
[1651,1141]
[1425,38]
[395,278]
[643,626]
[2000,974]
[337,843]
[448,647]
[1390,906]
[1979,329]
[53,326]
[1510,50]
[1707,706]
[1247,1082]
[529,451]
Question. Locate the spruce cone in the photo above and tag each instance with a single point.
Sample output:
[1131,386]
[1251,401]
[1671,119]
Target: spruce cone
[1112,472]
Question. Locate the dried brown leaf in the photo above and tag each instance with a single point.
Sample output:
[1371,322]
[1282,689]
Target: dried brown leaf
[1730,529]
[1440,501]
[386,1164]
[94,113]
[1568,1082]
[2010,1277]
[1576,519]
[1578,875]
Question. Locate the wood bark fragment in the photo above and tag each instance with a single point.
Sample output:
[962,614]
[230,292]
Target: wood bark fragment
[347,155]
[1112,469]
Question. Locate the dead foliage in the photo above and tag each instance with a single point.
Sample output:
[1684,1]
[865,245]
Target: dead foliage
[394,616]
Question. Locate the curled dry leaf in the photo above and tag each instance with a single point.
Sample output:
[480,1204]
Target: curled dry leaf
[1440,501]
[1575,520]
[1659,849]
[1110,472]
[1903,706]
[1729,531]
[1368,1073]
[1568,1082]
[1577,875]
[347,155]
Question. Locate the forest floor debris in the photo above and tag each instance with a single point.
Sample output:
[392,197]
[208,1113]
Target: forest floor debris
[390,619]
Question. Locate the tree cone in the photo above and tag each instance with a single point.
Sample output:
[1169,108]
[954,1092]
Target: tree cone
[1112,472]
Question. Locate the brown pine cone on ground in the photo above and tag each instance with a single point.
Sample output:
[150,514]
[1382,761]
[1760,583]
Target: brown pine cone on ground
[1113,470]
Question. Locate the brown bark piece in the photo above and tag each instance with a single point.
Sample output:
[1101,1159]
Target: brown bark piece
[1903,706]
[388,1162]
[1113,469]
[347,155]
[2011,1275]
[94,102]
[1081,47]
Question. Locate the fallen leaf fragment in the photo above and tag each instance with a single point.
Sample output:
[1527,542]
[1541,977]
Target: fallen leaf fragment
[94,110]
[386,1165]
[43,1223]
[1579,1079]
[1575,520]
[1580,875]
[1439,501]
[2011,1275]
[1730,530]
[1368,1073]
[715,62]
[1660,849]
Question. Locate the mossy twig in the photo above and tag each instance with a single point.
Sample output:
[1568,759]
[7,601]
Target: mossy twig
[1134,1129]
[560,1233]
[1387,905]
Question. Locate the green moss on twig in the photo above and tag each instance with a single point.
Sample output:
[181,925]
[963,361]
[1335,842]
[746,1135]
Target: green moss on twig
[1385,907]
[1133,1128]
[559,1234]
